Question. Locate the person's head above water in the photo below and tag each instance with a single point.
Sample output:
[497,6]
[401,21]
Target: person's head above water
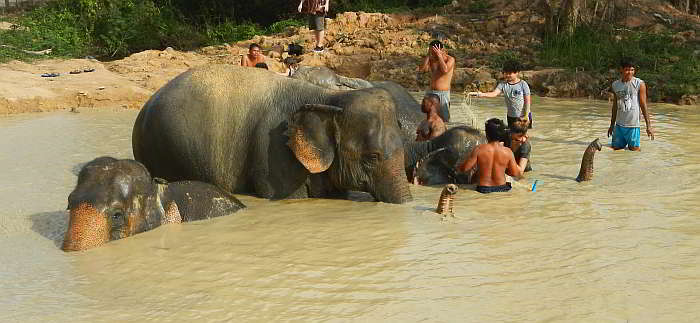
[518,131]
[495,129]
[431,102]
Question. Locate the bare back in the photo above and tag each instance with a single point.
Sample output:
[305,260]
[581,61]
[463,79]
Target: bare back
[493,160]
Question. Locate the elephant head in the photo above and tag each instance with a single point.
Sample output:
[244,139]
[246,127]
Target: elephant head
[434,162]
[356,142]
[114,199]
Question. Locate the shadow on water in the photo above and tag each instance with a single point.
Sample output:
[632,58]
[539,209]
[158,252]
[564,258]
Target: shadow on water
[568,178]
[50,225]
[562,141]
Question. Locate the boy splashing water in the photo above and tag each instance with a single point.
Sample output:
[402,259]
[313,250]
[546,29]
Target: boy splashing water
[516,93]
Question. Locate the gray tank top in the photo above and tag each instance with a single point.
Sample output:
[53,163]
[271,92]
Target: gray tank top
[627,94]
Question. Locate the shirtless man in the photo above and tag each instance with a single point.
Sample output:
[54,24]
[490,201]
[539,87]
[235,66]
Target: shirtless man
[253,57]
[433,125]
[441,67]
[493,160]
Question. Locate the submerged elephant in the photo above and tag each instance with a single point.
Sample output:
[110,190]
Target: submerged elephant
[436,160]
[114,199]
[326,78]
[252,131]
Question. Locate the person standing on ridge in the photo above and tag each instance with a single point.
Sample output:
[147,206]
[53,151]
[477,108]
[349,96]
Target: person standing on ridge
[317,10]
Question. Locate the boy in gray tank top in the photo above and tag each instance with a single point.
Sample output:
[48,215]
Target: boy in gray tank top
[516,93]
[630,97]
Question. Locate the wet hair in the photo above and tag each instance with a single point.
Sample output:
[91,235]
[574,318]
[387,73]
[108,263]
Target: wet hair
[512,66]
[436,42]
[626,62]
[254,45]
[261,65]
[295,50]
[518,127]
[433,96]
[495,130]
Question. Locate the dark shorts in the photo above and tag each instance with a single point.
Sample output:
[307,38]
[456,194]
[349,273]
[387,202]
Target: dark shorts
[514,119]
[317,22]
[492,189]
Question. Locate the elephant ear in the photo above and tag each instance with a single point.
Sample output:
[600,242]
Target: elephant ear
[312,136]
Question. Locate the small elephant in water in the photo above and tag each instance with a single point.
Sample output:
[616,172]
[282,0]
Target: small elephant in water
[115,198]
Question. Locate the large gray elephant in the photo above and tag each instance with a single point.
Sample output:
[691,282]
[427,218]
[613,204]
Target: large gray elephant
[436,159]
[117,198]
[252,131]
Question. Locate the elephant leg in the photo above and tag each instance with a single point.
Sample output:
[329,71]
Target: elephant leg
[278,174]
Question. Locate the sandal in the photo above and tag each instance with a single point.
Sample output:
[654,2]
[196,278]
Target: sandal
[88,70]
[50,74]
[76,72]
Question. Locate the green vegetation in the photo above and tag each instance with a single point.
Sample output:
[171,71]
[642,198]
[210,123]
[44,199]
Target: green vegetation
[669,68]
[479,6]
[117,28]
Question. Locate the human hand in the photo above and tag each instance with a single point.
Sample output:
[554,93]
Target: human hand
[650,132]
[610,130]
[435,50]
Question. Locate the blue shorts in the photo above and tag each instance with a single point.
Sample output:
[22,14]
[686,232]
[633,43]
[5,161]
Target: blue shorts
[625,136]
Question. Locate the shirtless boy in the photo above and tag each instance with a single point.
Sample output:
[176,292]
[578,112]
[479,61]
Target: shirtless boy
[433,125]
[253,57]
[493,160]
[441,67]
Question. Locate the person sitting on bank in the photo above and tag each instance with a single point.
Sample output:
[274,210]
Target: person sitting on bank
[253,57]
[493,159]
[520,145]
[441,67]
[433,125]
[515,91]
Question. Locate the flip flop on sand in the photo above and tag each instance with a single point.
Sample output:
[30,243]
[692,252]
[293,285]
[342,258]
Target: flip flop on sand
[50,74]
[76,72]
[88,70]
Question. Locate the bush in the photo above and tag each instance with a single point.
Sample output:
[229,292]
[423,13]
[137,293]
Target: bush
[669,69]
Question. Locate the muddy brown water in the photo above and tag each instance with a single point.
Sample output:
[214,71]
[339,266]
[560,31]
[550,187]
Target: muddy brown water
[622,247]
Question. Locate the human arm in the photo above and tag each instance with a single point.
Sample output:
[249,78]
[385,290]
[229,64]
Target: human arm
[470,162]
[527,99]
[425,66]
[244,60]
[491,94]
[513,167]
[613,115]
[445,63]
[645,111]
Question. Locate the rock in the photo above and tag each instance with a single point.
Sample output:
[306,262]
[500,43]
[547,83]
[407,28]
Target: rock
[657,29]
[493,25]
[689,99]
[632,22]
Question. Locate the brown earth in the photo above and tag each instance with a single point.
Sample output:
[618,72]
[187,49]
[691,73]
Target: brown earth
[371,46]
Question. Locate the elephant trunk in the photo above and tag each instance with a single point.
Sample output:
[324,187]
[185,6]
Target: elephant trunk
[415,151]
[392,186]
[87,228]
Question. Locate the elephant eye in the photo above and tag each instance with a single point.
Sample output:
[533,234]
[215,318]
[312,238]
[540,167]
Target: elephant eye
[373,157]
[117,215]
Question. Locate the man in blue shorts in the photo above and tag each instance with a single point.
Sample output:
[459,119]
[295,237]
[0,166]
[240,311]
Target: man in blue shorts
[630,97]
